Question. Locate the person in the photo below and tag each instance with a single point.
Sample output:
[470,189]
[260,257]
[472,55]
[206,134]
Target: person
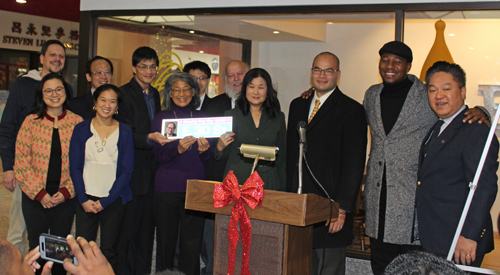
[336,151]
[140,102]
[256,120]
[20,103]
[170,130]
[42,164]
[396,134]
[202,73]
[90,259]
[179,161]
[98,147]
[99,72]
[449,158]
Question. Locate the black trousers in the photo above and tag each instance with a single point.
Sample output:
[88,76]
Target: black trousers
[382,253]
[110,219]
[135,247]
[55,221]
[171,217]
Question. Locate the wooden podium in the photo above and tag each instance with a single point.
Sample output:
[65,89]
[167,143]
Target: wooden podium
[292,214]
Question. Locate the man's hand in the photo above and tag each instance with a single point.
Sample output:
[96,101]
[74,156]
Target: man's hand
[476,114]
[32,256]
[185,144]
[90,260]
[336,224]
[47,201]
[307,94]
[465,252]
[203,145]
[88,206]
[159,138]
[9,180]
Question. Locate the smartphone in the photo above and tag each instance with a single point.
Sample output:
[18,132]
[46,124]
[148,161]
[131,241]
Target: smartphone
[56,249]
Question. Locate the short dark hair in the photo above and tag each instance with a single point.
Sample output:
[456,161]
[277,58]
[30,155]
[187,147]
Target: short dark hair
[270,105]
[5,257]
[47,43]
[144,53]
[107,87]
[454,69]
[189,79]
[173,123]
[198,65]
[97,57]
[40,106]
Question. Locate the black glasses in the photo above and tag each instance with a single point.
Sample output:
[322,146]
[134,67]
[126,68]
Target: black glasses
[58,91]
[328,72]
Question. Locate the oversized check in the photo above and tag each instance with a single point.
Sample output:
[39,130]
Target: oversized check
[207,127]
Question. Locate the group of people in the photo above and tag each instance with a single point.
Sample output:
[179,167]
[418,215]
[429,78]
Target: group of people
[106,149]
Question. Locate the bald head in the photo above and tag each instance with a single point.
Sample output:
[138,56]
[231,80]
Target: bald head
[337,60]
[234,73]
[11,260]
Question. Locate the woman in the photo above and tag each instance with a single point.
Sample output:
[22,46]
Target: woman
[42,165]
[258,121]
[102,159]
[179,160]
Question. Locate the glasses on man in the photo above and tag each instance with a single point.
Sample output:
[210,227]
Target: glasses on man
[201,78]
[328,72]
[58,91]
[101,73]
[145,67]
[184,91]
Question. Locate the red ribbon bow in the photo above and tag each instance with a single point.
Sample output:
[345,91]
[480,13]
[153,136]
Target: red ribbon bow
[252,193]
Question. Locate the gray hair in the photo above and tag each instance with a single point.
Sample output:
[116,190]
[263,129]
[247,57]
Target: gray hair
[168,104]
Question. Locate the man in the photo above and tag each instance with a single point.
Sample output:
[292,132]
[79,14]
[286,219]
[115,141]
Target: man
[336,151]
[140,102]
[170,130]
[20,103]
[399,117]
[449,157]
[99,72]
[89,256]
[202,73]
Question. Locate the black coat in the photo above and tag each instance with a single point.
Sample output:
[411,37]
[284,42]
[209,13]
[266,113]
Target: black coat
[336,153]
[82,105]
[442,188]
[133,111]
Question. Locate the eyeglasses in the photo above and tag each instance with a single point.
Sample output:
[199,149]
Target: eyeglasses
[101,73]
[201,78]
[179,91]
[328,72]
[144,67]
[58,90]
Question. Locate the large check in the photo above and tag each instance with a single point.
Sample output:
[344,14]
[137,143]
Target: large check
[207,127]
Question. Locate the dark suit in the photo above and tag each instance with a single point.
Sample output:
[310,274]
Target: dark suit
[336,152]
[442,188]
[83,105]
[206,104]
[136,243]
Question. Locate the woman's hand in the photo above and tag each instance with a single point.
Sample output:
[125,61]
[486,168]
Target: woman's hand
[88,206]
[58,198]
[203,145]
[185,144]
[47,201]
[98,207]
[224,141]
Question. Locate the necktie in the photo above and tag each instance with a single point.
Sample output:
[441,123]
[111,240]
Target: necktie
[315,110]
[435,134]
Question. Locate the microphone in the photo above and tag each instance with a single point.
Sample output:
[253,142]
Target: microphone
[301,128]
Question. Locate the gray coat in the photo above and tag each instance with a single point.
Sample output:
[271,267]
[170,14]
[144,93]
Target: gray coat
[399,152]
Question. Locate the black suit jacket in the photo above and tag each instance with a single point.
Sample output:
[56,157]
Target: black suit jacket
[133,111]
[336,153]
[442,187]
[83,105]
[206,104]
[218,105]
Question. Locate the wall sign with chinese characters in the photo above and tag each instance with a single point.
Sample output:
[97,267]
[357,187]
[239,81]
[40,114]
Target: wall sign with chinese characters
[27,32]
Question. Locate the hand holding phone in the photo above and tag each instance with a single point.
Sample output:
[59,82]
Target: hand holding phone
[55,248]
[90,258]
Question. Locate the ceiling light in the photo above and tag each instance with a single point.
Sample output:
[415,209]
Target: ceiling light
[276,32]
[191,31]
[472,48]
[201,52]
[21,1]
[451,34]
[329,23]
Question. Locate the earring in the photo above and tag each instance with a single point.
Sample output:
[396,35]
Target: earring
[116,112]
[93,108]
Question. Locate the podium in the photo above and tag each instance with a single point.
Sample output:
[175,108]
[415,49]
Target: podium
[284,227]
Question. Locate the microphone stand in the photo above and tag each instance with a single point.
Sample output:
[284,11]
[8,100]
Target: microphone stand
[301,156]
